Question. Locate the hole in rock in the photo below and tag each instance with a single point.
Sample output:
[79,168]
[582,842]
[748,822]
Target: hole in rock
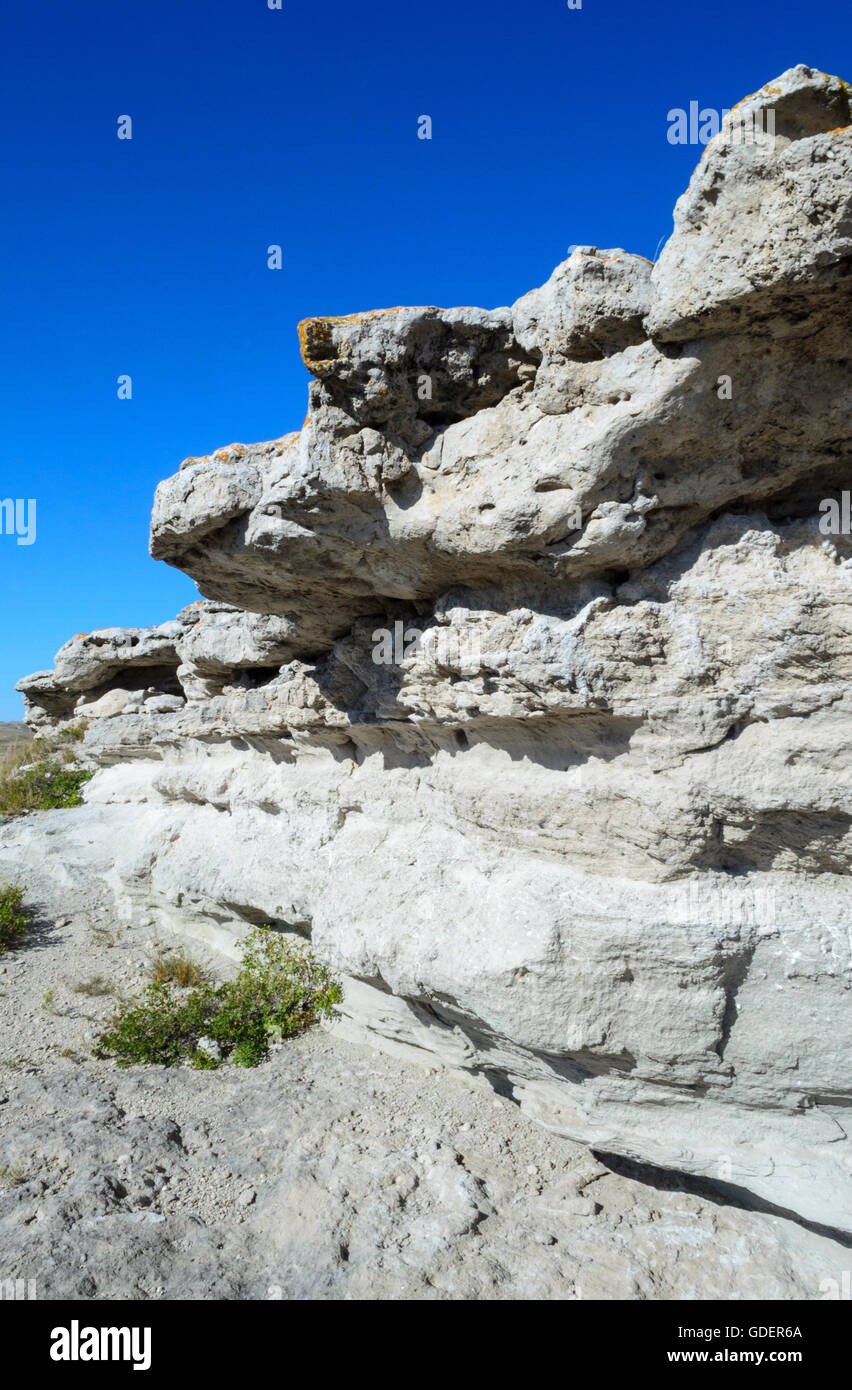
[252,677]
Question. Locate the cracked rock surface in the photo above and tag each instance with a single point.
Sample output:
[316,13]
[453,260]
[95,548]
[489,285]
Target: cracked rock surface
[585,829]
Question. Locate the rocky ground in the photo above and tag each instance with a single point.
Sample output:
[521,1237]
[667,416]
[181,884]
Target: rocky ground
[330,1172]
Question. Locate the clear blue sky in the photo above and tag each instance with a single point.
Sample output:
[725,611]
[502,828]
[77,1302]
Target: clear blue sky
[298,127]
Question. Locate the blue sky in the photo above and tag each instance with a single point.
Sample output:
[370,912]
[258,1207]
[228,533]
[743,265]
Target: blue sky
[297,127]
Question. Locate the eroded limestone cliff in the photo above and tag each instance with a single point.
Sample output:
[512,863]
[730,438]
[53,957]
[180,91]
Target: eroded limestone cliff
[591,831]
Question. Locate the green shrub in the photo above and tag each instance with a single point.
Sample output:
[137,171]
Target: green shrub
[42,775]
[43,786]
[279,991]
[73,733]
[13,916]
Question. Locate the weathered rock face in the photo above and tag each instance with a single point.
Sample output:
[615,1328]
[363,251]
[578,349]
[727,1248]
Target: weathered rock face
[522,683]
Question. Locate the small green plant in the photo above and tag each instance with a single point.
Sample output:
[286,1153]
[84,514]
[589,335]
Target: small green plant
[279,991]
[48,785]
[42,775]
[167,968]
[74,733]
[14,917]
[97,985]
[13,1175]
[47,1000]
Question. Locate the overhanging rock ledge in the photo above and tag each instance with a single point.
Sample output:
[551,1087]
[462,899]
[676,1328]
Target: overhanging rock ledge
[592,832]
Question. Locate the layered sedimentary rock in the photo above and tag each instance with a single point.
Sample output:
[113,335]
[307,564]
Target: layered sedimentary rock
[521,680]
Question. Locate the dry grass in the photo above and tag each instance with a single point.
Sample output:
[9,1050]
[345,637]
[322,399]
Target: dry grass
[94,987]
[166,967]
[12,734]
[11,757]
[13,1175]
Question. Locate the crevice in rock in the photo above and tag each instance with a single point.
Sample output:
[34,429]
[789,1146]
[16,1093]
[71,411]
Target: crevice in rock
[252,677]
[735,968]
[722,1193]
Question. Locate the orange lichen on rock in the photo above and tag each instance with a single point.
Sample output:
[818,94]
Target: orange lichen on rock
[228,454]
[233,453]
[284,442]
[317,342]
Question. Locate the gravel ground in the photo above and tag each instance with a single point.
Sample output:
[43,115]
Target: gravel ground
[331,1171]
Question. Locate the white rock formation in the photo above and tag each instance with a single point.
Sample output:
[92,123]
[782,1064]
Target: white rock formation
[590,832]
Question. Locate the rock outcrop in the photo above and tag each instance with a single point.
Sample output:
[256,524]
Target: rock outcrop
[522,680]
